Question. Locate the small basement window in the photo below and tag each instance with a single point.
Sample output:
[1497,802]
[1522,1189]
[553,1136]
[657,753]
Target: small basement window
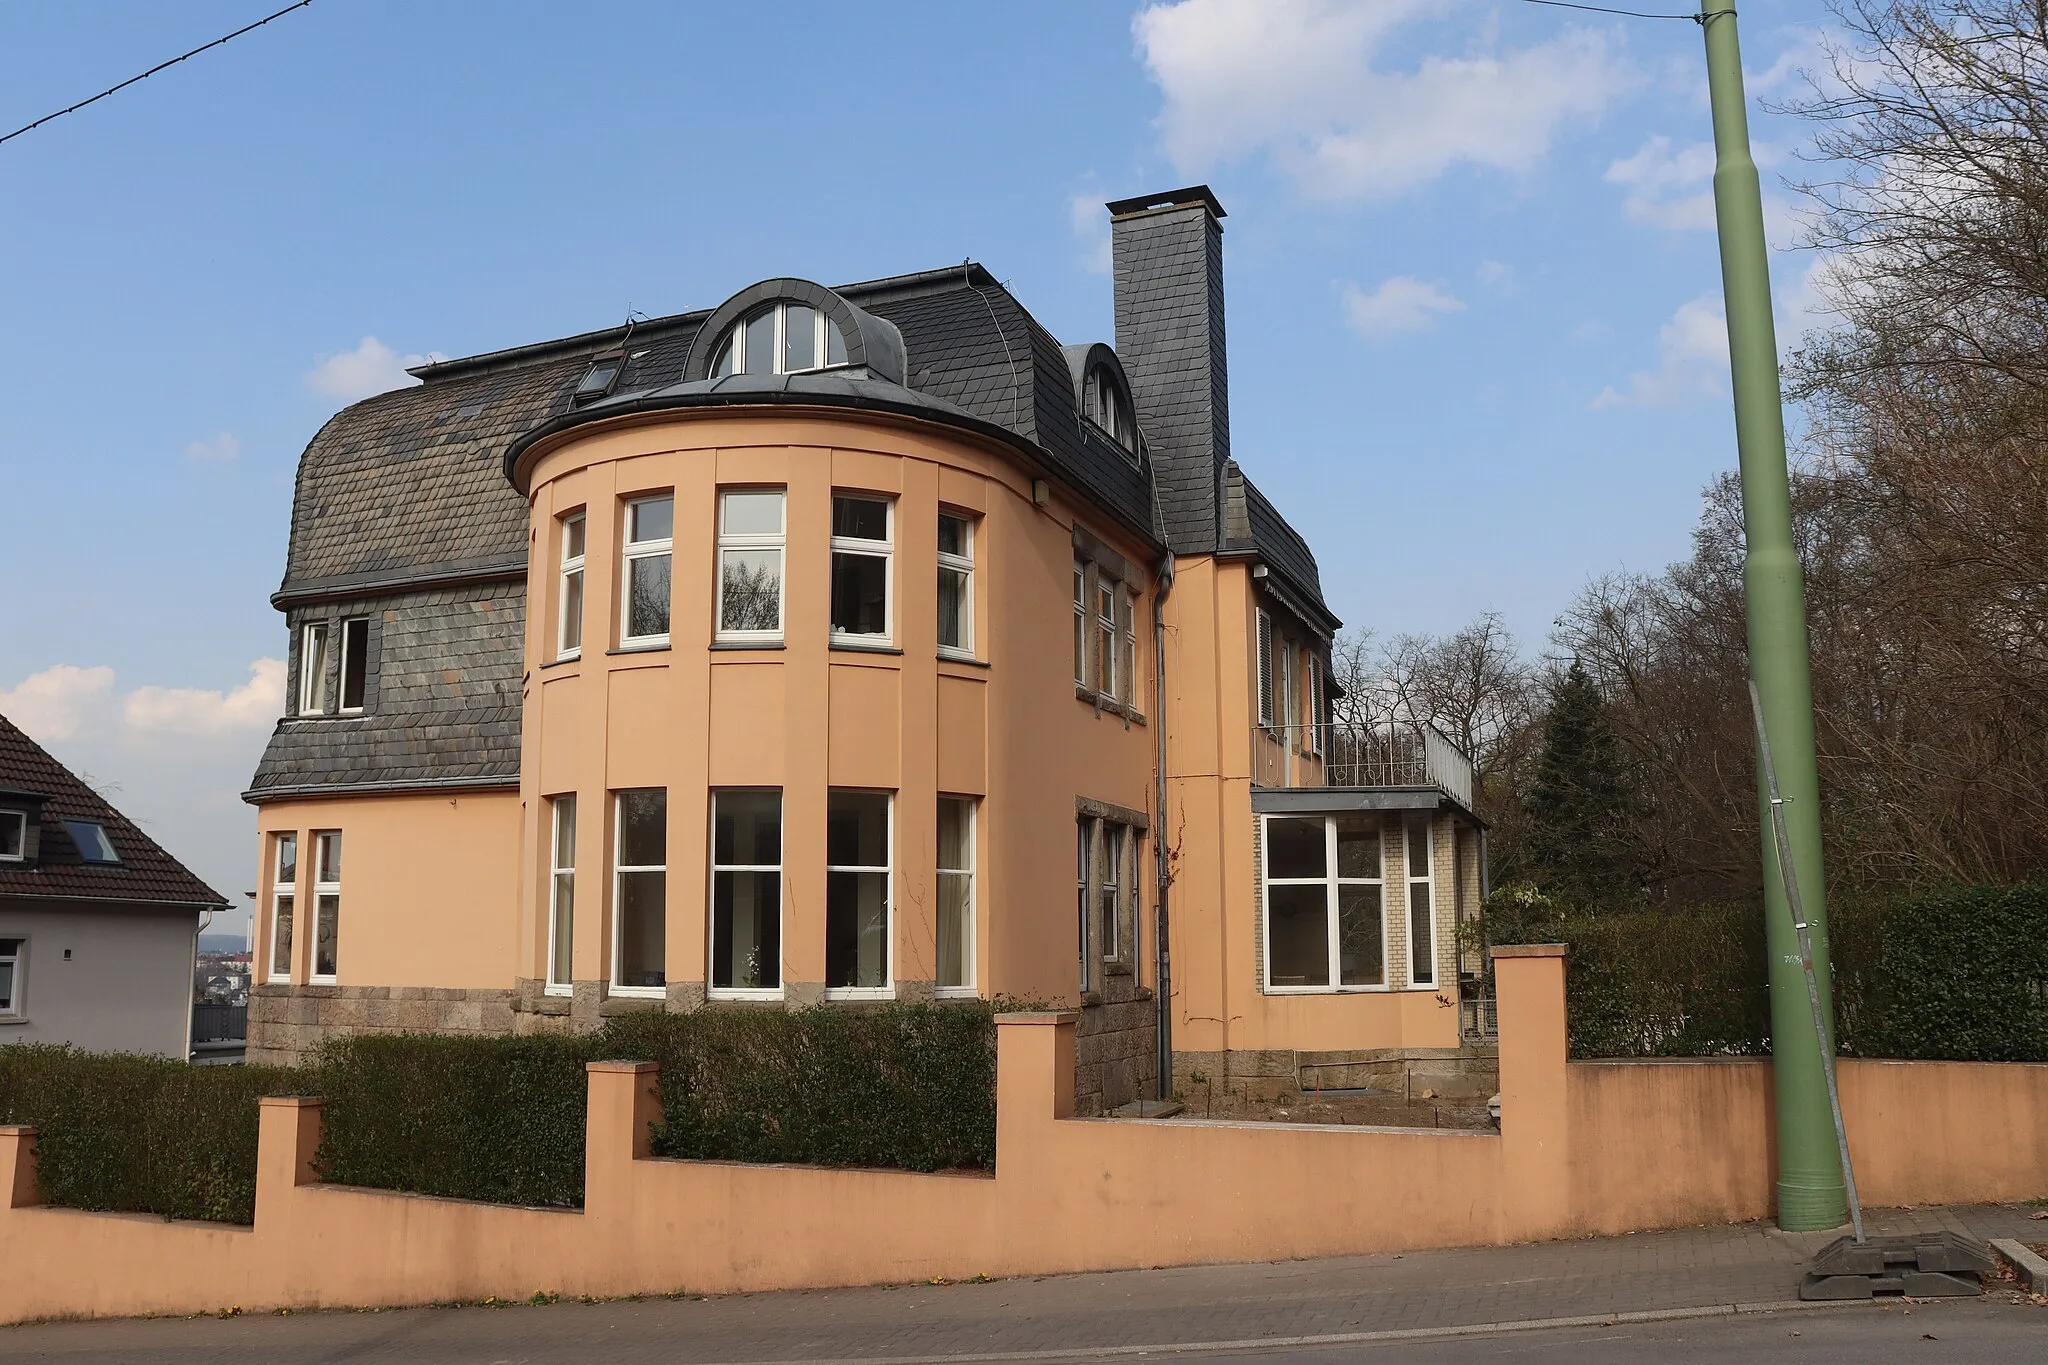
[13,836]
[91,839]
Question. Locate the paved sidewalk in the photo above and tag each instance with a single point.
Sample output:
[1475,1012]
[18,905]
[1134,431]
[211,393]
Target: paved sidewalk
[1299,1303]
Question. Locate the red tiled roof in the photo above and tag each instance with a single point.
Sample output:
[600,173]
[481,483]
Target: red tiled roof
[145,873]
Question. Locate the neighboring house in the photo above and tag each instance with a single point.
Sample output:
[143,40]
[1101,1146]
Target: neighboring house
[809,648]
[98,924]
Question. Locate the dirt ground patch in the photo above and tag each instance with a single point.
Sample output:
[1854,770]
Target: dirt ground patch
[1367,1109]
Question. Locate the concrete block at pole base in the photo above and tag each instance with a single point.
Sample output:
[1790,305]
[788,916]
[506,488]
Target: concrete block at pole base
[1930,1265]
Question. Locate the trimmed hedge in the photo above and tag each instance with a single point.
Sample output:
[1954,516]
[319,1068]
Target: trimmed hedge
[501,1119]
[141,1134]
[1954,974]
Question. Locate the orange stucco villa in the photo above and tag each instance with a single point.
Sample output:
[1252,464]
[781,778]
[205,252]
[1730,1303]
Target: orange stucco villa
[840,645]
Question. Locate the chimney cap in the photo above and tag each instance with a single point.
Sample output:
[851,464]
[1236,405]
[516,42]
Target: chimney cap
[1168,199]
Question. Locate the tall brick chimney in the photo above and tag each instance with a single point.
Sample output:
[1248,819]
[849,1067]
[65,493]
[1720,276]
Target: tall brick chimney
[1168,253]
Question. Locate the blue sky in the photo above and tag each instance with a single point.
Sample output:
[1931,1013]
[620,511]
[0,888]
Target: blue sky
[1475,339]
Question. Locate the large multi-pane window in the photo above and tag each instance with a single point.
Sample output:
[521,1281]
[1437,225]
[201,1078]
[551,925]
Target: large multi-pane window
[1325,916]
[857,892]
[640,901]
[956,895]
[861,542]
[956,585]
[750,544]
[284,893]
[313,668]
[326,903]
[746,892]
[782,338]
[1106,860]
[569,634]
[1421,903]
[648,557]
[562,894]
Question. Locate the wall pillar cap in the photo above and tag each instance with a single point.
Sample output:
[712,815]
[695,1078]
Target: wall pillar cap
[1040,1017]
[18,1130]
[291,1101]
[1531,950]
[623,1068]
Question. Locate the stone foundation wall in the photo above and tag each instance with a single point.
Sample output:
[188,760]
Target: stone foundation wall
[287,1024]
[1116,1048]
[1449,1072]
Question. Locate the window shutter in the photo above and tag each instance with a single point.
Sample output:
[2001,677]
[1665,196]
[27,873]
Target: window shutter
[1265,669]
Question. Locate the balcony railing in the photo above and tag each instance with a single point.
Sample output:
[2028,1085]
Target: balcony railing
[1378,754]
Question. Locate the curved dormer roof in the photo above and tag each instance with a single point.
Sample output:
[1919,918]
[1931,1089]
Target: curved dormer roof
[871,342]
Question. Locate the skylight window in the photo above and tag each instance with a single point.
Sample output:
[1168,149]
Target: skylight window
[600,377]
[92,842]
[783,338]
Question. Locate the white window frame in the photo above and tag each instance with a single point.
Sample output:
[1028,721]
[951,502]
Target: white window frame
[620,867]
[13,1010]
[714,867]
[560,807]
[968,988]
[1313,735]
[1106,644]
[572,568]
[824,327]
[778,542]
[341,706]
[1083,634]
[887,990]
[630,550]
[313,667]
[19,818]
[1127,646]
[280,888]
[322,890]
[1332,881]
[1427,881]
[1087,836]
[884,550]
[1112,838]
[1263,647]
[963,565]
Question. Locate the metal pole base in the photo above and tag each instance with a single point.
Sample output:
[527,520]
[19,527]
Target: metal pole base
[1811,1206]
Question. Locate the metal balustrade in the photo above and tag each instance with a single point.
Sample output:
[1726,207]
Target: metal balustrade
[1375,754]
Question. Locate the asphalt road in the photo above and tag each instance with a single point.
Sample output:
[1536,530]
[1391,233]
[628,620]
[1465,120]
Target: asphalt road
[1979,1332]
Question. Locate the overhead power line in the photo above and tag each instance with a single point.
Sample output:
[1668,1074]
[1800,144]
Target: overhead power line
[1602,9]
[28,127]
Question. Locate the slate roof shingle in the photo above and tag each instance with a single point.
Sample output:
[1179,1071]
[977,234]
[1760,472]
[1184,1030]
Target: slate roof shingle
[145,873]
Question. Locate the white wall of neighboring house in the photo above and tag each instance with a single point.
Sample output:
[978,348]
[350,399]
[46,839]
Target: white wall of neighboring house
[126,985]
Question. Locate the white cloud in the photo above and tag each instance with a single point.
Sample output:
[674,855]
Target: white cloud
[1402,303]
[1664,185]
[223,447]
[58,702]
[1091,225]
[1692,360]
[174,759]
[255,705]
[371,368]
[1496,274]
[1308,83]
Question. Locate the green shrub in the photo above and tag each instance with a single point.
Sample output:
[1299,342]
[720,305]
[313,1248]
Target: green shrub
[1952,974]
[497,1119]
[906,1086]
[141,1134]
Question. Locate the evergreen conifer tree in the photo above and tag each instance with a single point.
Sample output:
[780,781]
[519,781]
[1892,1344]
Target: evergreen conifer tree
[1581,847]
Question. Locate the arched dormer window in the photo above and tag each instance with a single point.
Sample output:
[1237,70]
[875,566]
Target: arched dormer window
[785,337]
[1104,402]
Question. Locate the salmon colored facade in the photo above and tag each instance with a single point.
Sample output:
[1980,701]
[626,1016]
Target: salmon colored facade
[839,646]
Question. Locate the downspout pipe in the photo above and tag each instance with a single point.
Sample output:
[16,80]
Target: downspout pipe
[1162,950]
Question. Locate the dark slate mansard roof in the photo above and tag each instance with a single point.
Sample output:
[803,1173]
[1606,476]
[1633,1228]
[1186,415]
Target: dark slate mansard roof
[408,493]
[145,874]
